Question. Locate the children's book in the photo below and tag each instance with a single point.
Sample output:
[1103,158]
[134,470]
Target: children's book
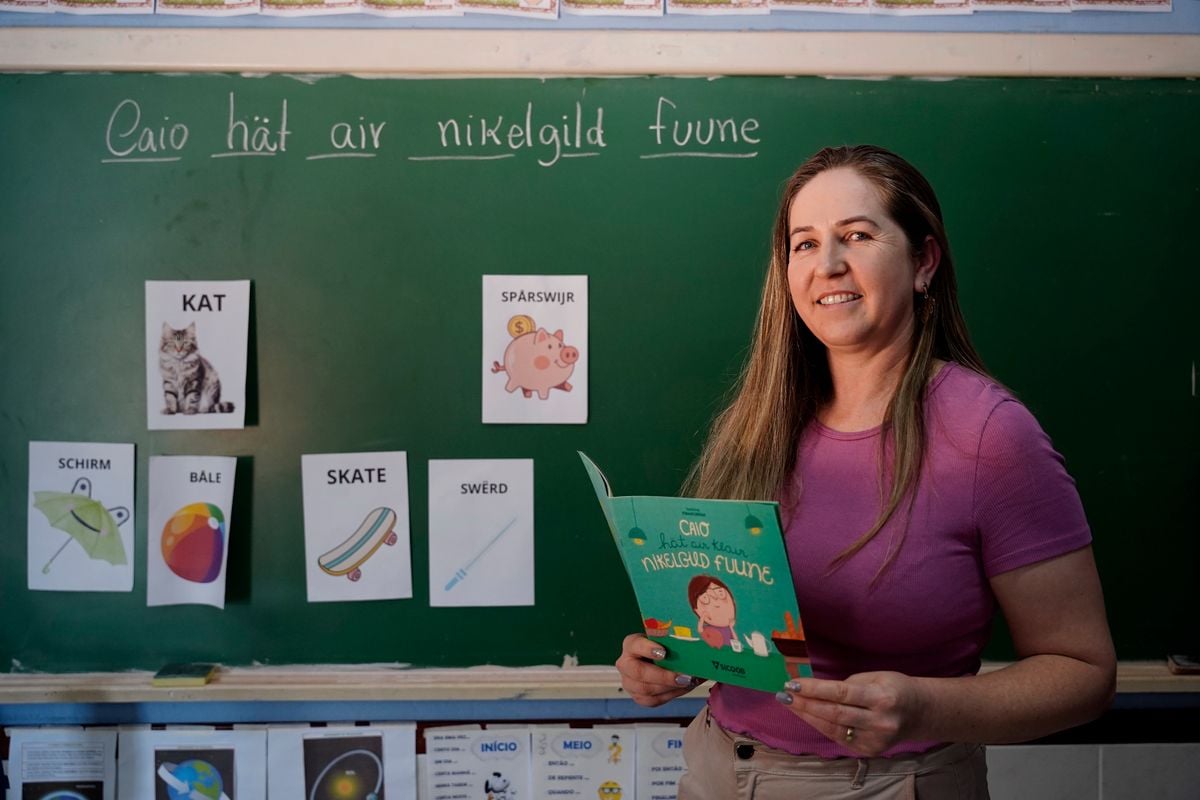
[713,584]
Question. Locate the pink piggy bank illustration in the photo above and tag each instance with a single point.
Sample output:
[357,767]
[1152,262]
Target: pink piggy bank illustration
[538,362]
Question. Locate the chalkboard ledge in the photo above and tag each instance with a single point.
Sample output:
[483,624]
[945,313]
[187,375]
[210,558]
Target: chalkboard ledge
[390,683]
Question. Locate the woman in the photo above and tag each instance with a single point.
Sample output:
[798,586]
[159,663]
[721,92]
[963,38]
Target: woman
[715,610]
[921,496]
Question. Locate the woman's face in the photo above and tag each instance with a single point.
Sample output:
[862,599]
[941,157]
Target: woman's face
[851,271]
[715,607]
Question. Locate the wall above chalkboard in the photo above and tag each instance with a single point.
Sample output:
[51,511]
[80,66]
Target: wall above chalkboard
[1064,200]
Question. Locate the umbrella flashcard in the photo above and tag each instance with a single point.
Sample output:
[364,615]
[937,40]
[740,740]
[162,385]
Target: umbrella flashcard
[81,538]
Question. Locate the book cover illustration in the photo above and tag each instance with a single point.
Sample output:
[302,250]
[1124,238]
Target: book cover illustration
[713,584]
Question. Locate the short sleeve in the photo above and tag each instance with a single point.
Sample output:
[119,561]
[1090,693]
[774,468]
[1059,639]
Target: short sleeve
[1027,508]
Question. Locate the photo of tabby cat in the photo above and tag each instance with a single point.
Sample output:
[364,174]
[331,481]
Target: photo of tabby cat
[190,382]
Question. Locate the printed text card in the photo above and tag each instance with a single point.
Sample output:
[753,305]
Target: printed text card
[481,532]
[187,544]
[356,543]
[535,349]
[80,516]
[196,340]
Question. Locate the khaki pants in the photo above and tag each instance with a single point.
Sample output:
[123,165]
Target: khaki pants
[728,766]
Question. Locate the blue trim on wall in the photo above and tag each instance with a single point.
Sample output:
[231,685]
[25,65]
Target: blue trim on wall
[209,712]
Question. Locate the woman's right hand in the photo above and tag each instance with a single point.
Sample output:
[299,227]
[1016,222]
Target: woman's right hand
[646,682]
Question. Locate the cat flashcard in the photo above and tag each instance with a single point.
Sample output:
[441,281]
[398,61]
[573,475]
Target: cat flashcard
[196,344]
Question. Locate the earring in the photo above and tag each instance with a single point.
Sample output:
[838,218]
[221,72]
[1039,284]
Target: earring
[927,304]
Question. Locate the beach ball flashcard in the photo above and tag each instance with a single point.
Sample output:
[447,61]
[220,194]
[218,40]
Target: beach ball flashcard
[189,526]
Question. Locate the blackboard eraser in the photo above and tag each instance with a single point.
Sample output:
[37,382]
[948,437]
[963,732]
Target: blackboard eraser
[184,674]
[1183,665]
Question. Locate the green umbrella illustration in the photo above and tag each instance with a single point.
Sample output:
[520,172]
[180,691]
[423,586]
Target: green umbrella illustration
[85,520]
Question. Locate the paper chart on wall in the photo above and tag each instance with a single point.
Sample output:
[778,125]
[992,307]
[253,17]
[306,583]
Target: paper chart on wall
[190,522]
[193,762]
[477,764]
[196,344]
[481,532]
[659,760]
[80,517]
[356,539]
[62,763]
[535,349]
[342,761]
[582,763]
[530,9]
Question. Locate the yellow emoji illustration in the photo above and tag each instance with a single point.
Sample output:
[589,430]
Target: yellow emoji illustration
[609,790]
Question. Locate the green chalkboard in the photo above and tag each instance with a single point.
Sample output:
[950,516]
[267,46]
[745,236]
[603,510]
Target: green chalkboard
[1071,205]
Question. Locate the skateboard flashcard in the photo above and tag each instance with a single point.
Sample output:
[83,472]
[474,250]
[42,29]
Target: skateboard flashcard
[80,518]
[193,761]
[342,761]
[535,348]
[659,760]
[196,344]
[481,532]
[463,763]
[356,542]
[63,762]
[187,543]
[583,763]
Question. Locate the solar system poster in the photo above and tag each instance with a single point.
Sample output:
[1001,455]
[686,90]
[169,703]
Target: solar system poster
[344,768]
[80,517]
[342,762]
[187,544]
[197,335]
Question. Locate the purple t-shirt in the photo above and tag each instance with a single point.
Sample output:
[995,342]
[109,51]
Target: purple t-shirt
[993,496]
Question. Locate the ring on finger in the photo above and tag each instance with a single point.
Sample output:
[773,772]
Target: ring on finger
[849,734]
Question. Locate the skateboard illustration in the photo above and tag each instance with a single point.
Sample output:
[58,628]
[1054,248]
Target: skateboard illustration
[347,557]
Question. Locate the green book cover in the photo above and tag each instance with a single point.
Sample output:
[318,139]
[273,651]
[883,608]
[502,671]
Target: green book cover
[713,584]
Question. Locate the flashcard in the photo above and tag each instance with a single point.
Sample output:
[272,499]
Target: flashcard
[659,760]
[477,764]
[530,9]
[411,8]
[62,763]
[535,349]
[612,8]
[481,532]
[356,542]
[187,542]
[583,763]
[80,517]
[103,6]
[342,761]
[196,344]
[193,762]
[207,8]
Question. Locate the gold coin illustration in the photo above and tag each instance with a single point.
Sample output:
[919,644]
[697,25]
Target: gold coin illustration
[519,325]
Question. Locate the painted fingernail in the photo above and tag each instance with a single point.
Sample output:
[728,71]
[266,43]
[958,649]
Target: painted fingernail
[792,686]
[658,652]
[683,680]
[784,698]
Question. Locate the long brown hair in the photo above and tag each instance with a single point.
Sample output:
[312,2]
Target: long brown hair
[751,448]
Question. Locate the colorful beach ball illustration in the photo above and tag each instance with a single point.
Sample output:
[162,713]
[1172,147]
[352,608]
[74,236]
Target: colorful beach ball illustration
[192,780]
[193,542]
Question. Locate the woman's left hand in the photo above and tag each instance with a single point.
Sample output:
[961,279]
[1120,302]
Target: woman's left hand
[868,713]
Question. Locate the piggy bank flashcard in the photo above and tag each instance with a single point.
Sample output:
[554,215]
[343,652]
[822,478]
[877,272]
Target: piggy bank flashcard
[535,349]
